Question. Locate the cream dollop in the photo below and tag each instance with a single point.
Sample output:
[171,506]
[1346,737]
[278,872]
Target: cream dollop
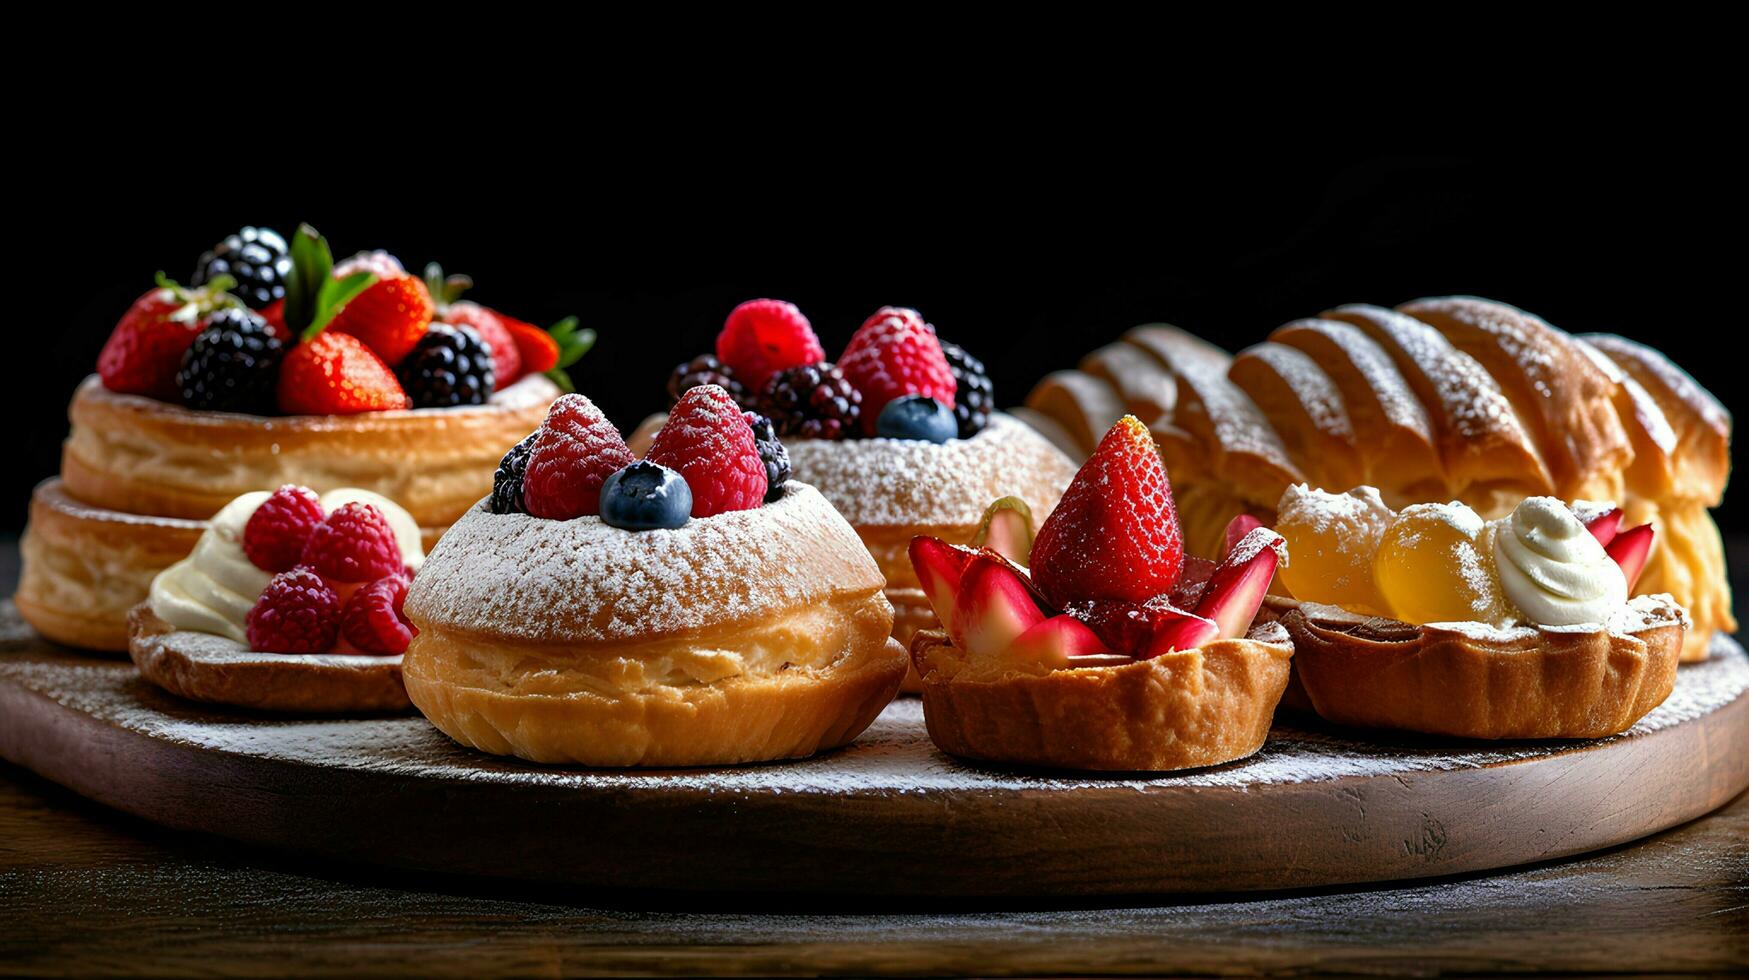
[1553,569]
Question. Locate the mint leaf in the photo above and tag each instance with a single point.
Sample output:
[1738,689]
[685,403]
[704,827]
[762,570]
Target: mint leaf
[312,266]
[333,297]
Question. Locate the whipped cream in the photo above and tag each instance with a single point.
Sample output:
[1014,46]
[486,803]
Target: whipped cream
[1553,569]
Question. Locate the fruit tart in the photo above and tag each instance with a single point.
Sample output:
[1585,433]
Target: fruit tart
[1114,650]
[289,602]
[900,434]
[694,607]
[1431,619]
[275,366]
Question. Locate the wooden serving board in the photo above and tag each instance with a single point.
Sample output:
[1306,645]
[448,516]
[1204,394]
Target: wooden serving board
[887,815]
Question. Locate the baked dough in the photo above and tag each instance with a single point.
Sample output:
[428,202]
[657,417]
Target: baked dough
[743,637]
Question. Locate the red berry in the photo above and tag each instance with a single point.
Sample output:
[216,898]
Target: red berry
[297,613]
[540,352]
[1115,534]
[492,328]
[765,336]
[708,440]
[373,621]
[275,536]
[355,544]
[390,316]
[146,347]
[576,450]
[893,354]
[336,374]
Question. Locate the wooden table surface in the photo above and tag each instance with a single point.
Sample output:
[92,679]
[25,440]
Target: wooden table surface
[84,890]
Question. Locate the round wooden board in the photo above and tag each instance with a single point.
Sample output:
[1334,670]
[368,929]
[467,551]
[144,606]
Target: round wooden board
[887,815]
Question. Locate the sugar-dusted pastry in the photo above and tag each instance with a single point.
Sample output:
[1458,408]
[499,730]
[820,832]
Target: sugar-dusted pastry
[679,610]
[1115,650]
[1432,619]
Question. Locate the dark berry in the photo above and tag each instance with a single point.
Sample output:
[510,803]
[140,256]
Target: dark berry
[705,369]
[232,365]
[771,453]
[812,401]
[645,496]
[916,417]
[256,257]
[507,482]
[449,366]
[975,397]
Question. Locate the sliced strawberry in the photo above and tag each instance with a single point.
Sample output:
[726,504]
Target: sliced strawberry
[1007,529]
[1124,626]
[1193,581]
[939,566]
[1237,528]
[1181,631]
[540,352]
[993,609]
[1240,581]
[1605,526]
[1055,640]
[1630,549]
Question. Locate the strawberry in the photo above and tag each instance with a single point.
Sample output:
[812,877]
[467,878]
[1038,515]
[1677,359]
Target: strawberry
[490,325]
[893,354]
[537,348]
[389,316]
[1630,549]
[764,336]
[274,314]
[1115,533]
[994,607]
[336,374]
[1236,589]
[708,441]
[574,452]
[1605,526]
[146,347]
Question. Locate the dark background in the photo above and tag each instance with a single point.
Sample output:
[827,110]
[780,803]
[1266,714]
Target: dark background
[1027,260]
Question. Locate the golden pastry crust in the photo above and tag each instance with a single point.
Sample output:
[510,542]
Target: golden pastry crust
[136,454]
[217,670]
[1183,710]
[1521,683]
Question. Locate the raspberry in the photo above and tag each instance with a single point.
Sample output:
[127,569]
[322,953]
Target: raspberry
[373,621]
[894,353]
[576,449]
[297,613]
[355,544]
[763,336]
[709,442]
[275,536]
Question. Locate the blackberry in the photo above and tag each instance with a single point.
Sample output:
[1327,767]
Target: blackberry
[507,482]
[256,257]
[232,365]
[812,401]
[705,369]
[449,366]
[771,453]
[975,397]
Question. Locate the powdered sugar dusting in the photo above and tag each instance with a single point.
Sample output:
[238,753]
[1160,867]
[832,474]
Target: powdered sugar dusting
[1399,406]
[1313,388]
[1470,400]
[1678,382]
[1239,427]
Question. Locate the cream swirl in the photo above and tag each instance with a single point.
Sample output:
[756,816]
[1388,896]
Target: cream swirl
[1553,569]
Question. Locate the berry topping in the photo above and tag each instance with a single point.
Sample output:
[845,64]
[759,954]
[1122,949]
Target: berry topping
[1236,589]
[336,374]
[145,350]
[771,452]
[813,401]
[296,613]
[493,328]
[939,566]
[449,366]
[276,533]
[256,258]
[1605,526]
[993,608]
[974,397]
[1114,534]
[894,353]
[1629,550]
[233,364]
[373,620]
[710,443]
[764,336]
[574,452]
[705,369]
[390,315]
[507,481]
[355,544]
[536,348]
[916,417]
[645,496]
[379,263]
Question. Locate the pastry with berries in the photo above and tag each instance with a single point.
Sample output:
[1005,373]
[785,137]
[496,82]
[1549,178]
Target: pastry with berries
[291,601]
[1103,646]
[899,433]
[691,607]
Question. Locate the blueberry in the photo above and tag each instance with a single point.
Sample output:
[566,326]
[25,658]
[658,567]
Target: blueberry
[917,417]
[645,496]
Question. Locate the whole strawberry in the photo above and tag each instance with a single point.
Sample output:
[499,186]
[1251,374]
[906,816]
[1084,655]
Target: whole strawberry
[492,328]
[389,316]
[764,336]
[575,451]
[296,613]
[893,354]
[145,349]
[1114,535]
[708,441]
[336,374]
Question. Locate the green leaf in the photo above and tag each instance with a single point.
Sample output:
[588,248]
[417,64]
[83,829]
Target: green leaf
[559,377]
[312,266]
[333,297]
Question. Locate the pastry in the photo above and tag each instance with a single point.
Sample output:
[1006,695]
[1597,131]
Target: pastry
[1115,650]
[362,376]
[678,610]
[1431,619]
[1439,399]
[288,602]
[900,434]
